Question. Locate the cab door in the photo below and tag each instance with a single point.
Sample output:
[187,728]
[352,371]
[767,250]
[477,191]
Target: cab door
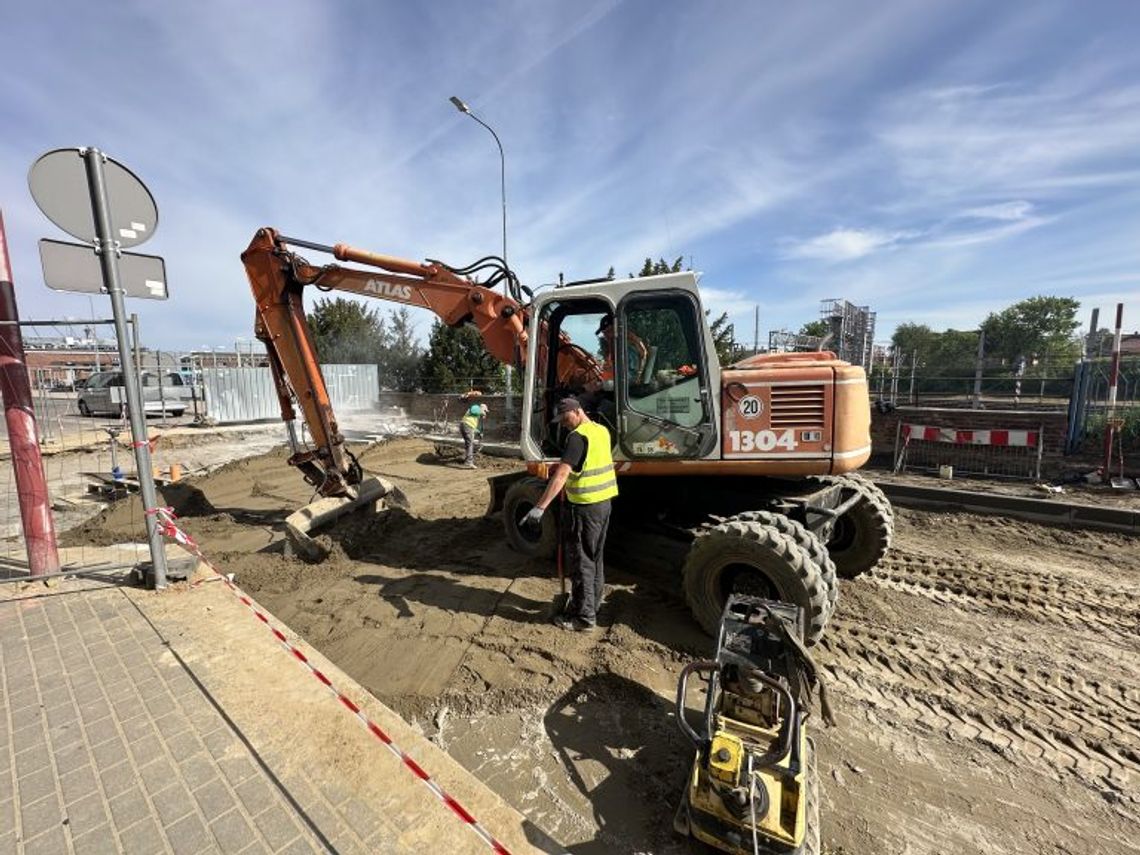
[661,377]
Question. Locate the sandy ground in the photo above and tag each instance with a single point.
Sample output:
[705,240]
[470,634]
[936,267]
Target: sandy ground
[986,676]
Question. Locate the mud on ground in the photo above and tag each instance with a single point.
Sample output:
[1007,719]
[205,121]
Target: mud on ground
[986,676]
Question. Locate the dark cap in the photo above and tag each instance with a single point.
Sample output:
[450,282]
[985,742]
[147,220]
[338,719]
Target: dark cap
[566,405]
[605,323]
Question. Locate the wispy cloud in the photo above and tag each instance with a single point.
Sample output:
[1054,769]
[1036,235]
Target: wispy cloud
[846,244]
[1016,210]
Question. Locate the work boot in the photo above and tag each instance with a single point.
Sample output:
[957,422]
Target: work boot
[575,624]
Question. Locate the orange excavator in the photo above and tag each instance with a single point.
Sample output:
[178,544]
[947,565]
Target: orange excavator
[754,463]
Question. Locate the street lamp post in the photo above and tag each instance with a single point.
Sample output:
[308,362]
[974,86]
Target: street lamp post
[463,108]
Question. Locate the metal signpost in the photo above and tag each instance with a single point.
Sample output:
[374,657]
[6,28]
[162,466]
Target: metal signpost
[96,199]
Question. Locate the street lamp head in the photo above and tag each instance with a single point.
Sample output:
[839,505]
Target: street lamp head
[459,105]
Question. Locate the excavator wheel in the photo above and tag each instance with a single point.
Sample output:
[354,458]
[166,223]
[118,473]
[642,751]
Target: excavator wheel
[754,553]
[813,545]
[862,536]
[533,542]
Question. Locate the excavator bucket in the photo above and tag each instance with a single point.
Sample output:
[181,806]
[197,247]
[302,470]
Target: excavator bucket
[499,485]
[300,524]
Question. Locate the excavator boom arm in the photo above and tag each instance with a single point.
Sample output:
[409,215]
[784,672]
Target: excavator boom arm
[278,276]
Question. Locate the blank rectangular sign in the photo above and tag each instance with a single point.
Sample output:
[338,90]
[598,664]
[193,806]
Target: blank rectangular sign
[75,267]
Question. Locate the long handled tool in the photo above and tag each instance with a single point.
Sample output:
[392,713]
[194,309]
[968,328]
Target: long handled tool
[563,599]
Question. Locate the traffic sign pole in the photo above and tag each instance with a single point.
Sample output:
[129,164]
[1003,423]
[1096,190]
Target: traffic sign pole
[107,248]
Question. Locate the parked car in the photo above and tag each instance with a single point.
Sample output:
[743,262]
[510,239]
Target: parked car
[104,395]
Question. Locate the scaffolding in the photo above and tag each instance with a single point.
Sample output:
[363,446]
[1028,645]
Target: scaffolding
[852,330]
[786,341]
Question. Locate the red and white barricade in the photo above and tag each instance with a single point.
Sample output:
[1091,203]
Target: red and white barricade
[997,452]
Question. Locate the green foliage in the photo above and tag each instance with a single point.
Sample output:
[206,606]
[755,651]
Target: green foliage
[348,332]
[723,339]
[1128,434]
[676,354]
[956,349]
[915,338]
[456,359]
[1038,329]
[658,267]
[401,357]
[818,328]
[345,331]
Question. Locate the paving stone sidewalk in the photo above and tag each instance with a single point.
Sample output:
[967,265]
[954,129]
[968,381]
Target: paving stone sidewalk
[108,743]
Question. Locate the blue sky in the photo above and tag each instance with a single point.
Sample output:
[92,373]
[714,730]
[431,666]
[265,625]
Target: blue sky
[935,161]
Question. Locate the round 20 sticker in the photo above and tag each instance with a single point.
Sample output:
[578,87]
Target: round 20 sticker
[750,406]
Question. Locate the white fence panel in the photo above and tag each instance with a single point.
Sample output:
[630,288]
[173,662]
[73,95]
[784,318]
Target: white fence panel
[352,387]
[240,395]
[247,394]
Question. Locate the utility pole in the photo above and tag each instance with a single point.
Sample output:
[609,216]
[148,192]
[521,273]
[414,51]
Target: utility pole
[978,369]
[1110,421]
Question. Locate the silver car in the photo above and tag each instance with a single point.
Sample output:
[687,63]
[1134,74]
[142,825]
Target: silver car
[104,395]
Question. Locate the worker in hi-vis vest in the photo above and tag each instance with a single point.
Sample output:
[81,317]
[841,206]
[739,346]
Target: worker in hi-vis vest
[586,471]
[471,425]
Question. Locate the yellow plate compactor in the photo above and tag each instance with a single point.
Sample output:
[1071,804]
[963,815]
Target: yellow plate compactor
[753,785]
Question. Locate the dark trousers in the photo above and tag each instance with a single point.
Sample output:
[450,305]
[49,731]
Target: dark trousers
[583,541]
[468,434]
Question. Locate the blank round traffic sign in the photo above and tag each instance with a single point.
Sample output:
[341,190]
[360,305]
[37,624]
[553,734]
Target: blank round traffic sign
[58,181]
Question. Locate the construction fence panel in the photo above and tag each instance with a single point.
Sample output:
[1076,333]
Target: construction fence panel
[352,387]
[236,395]
[240,395]
[993,452]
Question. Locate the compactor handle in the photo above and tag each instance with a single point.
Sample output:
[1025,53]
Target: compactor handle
[682,686]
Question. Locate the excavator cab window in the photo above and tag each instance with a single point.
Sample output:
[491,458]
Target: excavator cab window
[661,378]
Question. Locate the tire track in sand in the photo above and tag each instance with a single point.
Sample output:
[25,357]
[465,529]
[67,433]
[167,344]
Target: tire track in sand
[1090,729]
[1041,596]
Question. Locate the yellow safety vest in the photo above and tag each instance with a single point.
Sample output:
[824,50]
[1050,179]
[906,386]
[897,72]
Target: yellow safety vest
[597,481]
[471,419]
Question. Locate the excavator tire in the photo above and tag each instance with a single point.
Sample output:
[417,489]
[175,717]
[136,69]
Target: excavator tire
[757,552]
[814,546]
[540,542]
[863,535]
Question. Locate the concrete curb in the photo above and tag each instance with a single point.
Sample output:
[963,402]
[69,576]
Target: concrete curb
[1068,514]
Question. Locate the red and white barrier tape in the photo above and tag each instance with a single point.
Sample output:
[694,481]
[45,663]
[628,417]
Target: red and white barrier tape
[1003,438]
[167,526]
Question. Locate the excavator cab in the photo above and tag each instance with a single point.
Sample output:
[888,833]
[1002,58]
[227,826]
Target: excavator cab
[654,390]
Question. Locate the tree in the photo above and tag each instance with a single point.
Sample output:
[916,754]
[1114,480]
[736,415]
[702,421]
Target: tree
[915,339]
[722,330]
[346,331]
[1040,328]
[723,338]
[955,350]
[456,358]
[817,329]
[658,267]
[401,357]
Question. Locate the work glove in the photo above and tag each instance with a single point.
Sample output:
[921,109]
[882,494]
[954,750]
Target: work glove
[533,517]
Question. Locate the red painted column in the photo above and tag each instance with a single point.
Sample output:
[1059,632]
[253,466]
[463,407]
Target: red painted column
[23,439]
